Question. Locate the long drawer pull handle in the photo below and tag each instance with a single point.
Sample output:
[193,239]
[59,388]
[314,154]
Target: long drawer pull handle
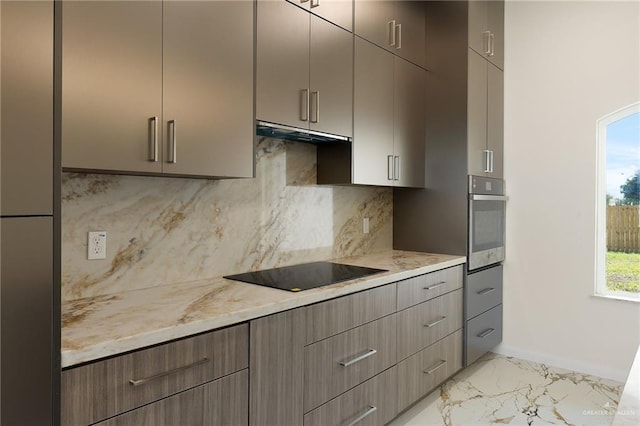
[372,409]
[166,373]
[431,287]
[486,291]
[439,365]
[304,105]
[433,324]
[359,358]
[487,332]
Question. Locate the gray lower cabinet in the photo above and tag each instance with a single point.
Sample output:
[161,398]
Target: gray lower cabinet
[219,403]
[158,87]
[304,70]
[103,389]
[428,286]
[483,312]
[483,333]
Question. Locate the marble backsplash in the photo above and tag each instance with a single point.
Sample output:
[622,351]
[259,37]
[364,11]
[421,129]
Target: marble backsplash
[169,230]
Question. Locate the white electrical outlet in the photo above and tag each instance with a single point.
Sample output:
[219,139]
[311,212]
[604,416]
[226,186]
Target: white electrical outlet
[97,245]
[365,225]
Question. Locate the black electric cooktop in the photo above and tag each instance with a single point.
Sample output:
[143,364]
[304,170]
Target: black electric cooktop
[305,276]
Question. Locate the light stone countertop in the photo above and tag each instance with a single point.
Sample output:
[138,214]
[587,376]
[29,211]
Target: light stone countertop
[103,326]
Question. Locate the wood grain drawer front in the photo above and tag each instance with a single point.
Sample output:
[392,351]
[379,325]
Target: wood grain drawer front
[366,404]
[484,291]
[221,402]
[335,316]
[425,287]
[484,332]
[337,364]
[422,325]
[422,372]
[93,392]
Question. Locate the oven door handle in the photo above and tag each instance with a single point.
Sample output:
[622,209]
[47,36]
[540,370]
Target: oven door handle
[474,197]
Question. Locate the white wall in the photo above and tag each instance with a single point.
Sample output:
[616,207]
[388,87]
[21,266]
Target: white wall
[566,65]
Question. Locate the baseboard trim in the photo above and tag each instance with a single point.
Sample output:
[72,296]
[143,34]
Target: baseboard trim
[568,364]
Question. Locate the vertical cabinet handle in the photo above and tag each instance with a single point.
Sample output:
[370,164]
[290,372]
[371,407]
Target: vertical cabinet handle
[304,105]
[396,167]
[315,3]
[370,410]
[490,161]
[173,149]
[487,161]
[153,139]
[315,107]
[389,167]
[391,31]
[398,36]
[486,43]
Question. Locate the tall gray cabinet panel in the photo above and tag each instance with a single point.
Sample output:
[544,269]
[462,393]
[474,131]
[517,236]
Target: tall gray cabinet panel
[485,100]
[208,88]
[26,311]
[486,30]
[27,109]
[282,69]
[373,21]
[373,115]
[29,217]
[112,85]
[495,119]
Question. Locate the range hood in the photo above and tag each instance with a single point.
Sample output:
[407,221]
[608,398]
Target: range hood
[279,131]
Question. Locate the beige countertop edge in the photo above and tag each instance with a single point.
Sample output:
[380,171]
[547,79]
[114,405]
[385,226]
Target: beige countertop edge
[92,352]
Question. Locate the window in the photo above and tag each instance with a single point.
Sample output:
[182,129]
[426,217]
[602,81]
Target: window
[618,219]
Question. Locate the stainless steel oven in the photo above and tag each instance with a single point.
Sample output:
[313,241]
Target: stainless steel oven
[487,204]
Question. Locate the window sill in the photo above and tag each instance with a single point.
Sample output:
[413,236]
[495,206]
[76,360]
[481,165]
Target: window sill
[618,296]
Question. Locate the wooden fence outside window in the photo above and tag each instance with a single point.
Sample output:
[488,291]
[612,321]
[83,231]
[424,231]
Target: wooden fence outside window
[623,228]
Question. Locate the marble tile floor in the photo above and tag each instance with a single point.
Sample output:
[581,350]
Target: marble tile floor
[504,390]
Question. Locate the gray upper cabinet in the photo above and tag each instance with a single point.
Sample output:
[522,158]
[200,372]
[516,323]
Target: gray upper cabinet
[397,26]
[486,30]
[339,12]
[304,70]
[409,123]
[389,123]
[208,88]
[158,87]
[26,108]
[485,117]
[111,85]
[373,115]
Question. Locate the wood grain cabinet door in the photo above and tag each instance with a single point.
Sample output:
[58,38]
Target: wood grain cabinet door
[337,364]
[96,391]
[223,402]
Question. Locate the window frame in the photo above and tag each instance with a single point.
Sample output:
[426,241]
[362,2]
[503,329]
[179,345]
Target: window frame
[600,285]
